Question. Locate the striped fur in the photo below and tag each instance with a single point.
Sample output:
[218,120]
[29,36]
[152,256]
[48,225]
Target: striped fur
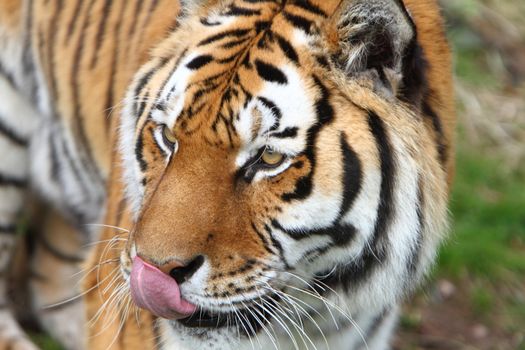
[313,253]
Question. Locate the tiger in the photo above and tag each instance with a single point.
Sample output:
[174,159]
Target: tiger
[223,174]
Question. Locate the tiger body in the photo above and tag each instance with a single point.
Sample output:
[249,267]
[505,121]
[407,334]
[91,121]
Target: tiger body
[315,252]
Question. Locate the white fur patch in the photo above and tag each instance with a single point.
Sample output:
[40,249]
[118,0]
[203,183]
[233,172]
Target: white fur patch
[296,109]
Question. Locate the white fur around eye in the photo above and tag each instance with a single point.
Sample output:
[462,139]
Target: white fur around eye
[266,173]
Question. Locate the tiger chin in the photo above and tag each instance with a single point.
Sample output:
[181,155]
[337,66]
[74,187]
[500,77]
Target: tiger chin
[284,175]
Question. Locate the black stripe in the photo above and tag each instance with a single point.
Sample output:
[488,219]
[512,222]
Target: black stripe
[322,61]
[226,34]
[413,260]
[349,276]
[264,241]
[276,112]
[73,20]
[210,80]
[12,135]
[60,149]
[120,211]
[71,160]
[136,13]
[341,233]
[414,72]
[263,25]
[11,229]
[287,49]
[277,245]
[78,117]
[270,73]
[53,154]
[110,103]
[168,77]
[7,180]
[438,130]
[50,49]
[4,73]
[41,54]
[325,114]
[206,22]
[198,95]
[286,133]
[299,22]
[234,43]
[229,59]
[303,188]
[242,11]
[376,324]
[28,63]
[352,175]
[315,253]
[308,6]
[141,102]
[199,62]
[144,24]
[378,246]
[139,149]
[100,32]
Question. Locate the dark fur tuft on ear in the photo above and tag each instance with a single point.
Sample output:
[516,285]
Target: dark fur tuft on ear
[378,40]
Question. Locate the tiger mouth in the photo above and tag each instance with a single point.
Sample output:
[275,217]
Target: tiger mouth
[248,320]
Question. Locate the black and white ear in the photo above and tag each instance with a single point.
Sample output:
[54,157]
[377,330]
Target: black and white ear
[377,40]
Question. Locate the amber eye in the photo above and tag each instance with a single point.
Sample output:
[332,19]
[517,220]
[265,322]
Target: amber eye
[272,158]
[169,137]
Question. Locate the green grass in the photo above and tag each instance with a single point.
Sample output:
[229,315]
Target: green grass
[43,341]
[488,208]
[486,252]
[472,57]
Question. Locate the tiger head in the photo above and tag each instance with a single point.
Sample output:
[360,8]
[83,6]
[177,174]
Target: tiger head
[275,153]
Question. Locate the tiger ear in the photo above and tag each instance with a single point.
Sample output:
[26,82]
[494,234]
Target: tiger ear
[376,41]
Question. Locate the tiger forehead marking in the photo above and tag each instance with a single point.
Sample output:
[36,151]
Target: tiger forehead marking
[216,76]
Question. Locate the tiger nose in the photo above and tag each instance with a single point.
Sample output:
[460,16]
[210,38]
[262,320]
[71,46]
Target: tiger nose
[182,272]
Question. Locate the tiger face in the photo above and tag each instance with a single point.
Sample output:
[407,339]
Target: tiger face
[275,155]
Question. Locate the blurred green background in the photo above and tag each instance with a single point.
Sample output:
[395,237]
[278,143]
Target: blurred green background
[476,297]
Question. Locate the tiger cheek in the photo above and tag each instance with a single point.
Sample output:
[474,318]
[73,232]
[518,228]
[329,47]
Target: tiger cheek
[287,182]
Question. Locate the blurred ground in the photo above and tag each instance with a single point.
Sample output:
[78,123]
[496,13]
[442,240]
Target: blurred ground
[477,299]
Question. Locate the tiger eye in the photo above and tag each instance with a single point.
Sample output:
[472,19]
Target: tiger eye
[271,158]
[169,136]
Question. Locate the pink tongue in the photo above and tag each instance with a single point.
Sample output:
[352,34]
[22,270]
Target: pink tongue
[153,290]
